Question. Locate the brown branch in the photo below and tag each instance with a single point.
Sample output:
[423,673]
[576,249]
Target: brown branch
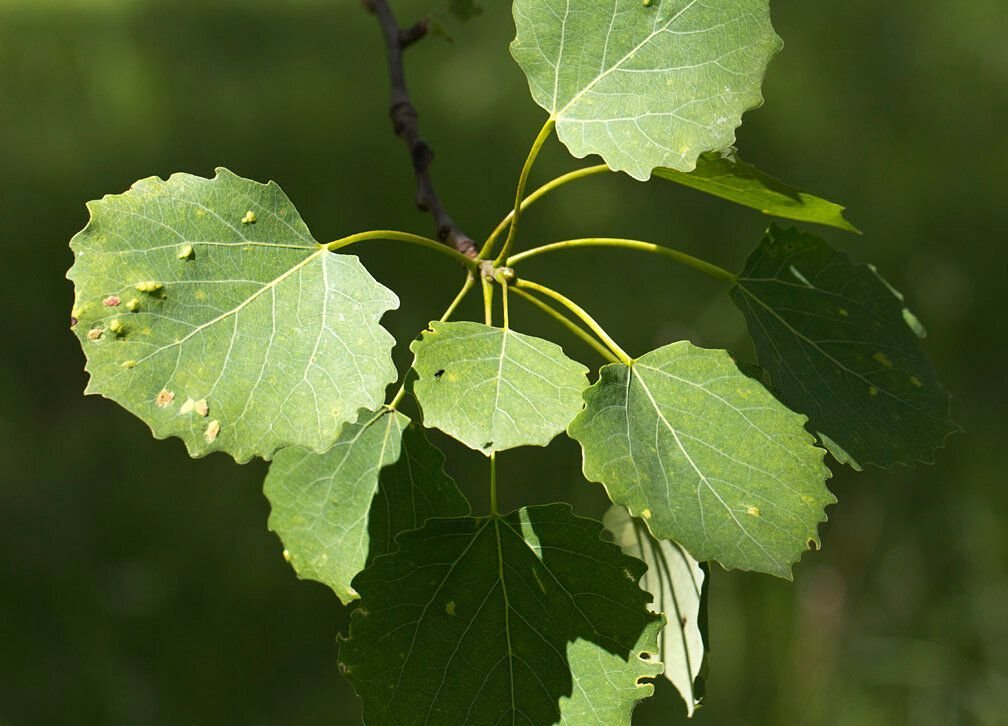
[406,126]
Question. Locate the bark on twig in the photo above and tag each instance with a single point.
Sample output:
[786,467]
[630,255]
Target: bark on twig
[406,126]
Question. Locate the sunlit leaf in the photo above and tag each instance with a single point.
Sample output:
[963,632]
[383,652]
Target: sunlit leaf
[479,621]
[607,686]
[338,510]
[676,581]
[205,307]
[840,345]
[723,174]
[645,84]
[493,388]
[706,456]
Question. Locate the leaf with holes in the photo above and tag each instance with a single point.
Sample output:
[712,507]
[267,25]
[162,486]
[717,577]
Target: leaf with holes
[493,388]
[678,584]
[479,621]
[607,686]
[645,84]
[339,510]
[723,174]
[706,456]
[205,307]
[840,345]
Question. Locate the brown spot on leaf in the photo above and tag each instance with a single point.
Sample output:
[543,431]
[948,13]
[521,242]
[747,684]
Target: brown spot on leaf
[212,431]
[95,334]
[164,398]
[112,301]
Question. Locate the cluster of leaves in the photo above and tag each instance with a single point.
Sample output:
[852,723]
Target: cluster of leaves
[206,308]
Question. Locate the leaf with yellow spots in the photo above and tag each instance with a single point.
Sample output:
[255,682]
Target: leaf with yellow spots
[840,345]
[256,322]
[706,456]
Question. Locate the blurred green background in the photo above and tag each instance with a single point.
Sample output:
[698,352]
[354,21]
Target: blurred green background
[140,587]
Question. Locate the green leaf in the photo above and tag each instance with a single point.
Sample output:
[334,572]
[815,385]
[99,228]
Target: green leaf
[706,456]
[470,621]
[607,687]
[338,510]
[205,308]
[641,84]
[724,175]
[495,389]
[676,581]
[840,345]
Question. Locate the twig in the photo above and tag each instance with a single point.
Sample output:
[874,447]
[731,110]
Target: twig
[404,121]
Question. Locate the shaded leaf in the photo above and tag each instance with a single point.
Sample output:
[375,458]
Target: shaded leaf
[676,581]
[205,308]
[706,456]
[645,85]
[472,621]
[840,345]
[493,388]
[724,175]
[338,510]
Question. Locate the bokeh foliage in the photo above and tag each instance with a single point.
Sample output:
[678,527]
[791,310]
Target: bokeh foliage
[140,586]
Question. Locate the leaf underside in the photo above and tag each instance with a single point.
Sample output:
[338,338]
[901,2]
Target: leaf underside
[645,85]
[339,510]
[723,174]
[706,456]
[205,308]
[484,620]
[676,581]
[495,389]
[840,345]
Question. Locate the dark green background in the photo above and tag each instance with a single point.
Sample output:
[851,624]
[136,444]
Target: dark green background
[140,587]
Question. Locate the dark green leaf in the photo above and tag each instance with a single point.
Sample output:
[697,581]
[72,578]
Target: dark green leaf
[724,175]
[480,621]
[840,345]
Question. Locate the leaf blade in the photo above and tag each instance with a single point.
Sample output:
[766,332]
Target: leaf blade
[337,511]
[644,85]
[212,291]
[706,456]
[677,583]
[840,345]
[495,389]
[723,174]
[508,654]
